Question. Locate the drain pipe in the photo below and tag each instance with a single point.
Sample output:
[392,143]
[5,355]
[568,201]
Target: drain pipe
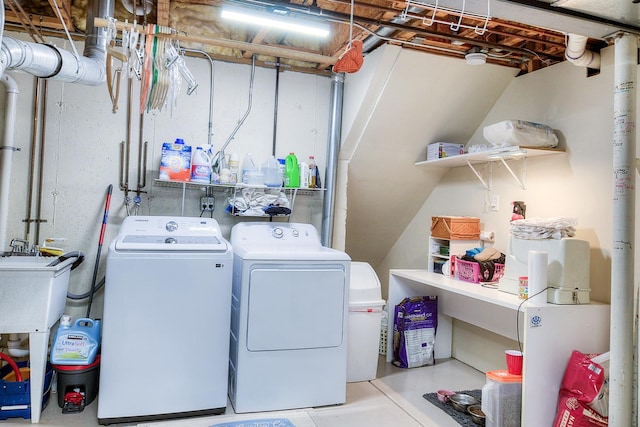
[6,154]
[333,150]
[621,373]
[49,62]
[577,53]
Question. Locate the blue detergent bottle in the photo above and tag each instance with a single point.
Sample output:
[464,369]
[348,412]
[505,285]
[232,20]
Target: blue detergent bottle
[77,343]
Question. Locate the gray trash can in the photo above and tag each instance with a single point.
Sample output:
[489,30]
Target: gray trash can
[365,313]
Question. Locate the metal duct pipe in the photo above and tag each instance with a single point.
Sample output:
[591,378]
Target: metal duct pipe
[6,154]
[621,370]
[49,62]
[333,150]
[577,53]
[372,41]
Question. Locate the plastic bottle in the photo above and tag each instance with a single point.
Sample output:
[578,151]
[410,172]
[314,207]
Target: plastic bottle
[77,343]
[200,166]
[234,167]
[312,172]
[281,166]
[271,171]
[304,175]
[248,165]
[291,171]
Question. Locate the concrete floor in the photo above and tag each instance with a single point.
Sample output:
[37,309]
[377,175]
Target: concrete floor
[393,399]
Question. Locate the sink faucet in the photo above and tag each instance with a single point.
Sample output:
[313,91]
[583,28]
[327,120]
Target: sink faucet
[19,246]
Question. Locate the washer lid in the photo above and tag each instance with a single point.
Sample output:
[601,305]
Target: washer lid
[169,234]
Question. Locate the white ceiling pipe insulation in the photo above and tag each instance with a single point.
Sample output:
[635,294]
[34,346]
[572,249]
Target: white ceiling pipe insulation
[49,62]
[577,53]
[6,154]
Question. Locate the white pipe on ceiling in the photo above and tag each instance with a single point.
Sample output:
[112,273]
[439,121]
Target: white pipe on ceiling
[577,53]
[621,371]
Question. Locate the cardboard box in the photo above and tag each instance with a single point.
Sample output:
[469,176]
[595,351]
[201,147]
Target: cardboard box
[438,150]
[175,161]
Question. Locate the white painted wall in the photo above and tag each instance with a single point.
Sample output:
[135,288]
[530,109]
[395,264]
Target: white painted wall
[576,184]
[82,142]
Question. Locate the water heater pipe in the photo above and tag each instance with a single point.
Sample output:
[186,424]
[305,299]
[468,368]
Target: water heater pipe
[6,154]
[621,371]
[333,150]
[577,53]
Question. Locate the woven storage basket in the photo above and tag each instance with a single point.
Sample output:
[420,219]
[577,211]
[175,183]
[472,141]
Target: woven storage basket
[455,227]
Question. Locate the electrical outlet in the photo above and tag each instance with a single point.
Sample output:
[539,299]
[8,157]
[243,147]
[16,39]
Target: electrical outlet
[495,203]
[207,203]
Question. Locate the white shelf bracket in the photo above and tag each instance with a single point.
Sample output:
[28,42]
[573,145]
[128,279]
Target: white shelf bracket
[524,171]
[486,185]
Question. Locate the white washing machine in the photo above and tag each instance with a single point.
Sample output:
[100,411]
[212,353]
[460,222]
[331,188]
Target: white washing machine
[288,319]
[165,328]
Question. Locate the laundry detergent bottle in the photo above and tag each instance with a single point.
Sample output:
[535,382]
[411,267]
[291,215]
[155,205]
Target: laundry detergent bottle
[291,171]
[75,343]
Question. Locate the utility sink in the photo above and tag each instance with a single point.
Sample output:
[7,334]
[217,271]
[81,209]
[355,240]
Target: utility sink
[32,293]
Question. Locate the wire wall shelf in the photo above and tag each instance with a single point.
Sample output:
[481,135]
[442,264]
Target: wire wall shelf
[414,5]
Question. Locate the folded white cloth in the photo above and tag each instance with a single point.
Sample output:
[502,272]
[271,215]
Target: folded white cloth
[544,228]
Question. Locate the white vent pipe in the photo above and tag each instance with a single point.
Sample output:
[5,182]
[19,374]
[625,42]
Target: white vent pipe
[6,153]
[621,370]
[47,61]
[577,53]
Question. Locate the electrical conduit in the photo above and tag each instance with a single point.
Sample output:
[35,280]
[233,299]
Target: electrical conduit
[577,53]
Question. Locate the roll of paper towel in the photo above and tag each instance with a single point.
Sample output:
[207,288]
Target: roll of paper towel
[537,272]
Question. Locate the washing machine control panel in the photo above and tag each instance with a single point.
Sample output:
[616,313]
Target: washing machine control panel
[279,233]
[170,233]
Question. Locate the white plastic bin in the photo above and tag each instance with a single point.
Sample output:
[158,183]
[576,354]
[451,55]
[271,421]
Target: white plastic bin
[365,313]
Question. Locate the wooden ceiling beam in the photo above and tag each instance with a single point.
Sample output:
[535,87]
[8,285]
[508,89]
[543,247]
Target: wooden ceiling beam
[62,8]
[37,21]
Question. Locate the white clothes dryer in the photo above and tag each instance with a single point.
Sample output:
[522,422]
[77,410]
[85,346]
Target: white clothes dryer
[289,311]
[165,329]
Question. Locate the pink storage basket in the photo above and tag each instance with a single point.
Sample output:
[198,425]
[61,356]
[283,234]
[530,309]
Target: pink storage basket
[470,271]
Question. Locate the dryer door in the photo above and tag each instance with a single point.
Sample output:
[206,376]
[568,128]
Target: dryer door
[296,308]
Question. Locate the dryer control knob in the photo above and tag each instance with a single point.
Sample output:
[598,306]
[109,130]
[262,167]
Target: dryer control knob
[171,226]
[295,233]
[278,233]
[170,240]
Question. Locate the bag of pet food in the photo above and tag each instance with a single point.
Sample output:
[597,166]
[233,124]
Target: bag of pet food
[583,391]
[414,332]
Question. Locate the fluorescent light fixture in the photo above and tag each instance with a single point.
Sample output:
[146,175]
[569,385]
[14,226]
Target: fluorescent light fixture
[275,21]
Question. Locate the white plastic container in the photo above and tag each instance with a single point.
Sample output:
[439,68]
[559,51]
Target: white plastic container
[271,171]
[365,313]
[502,399]
[200,166]
[234,167]
[304,175]
[249,167]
